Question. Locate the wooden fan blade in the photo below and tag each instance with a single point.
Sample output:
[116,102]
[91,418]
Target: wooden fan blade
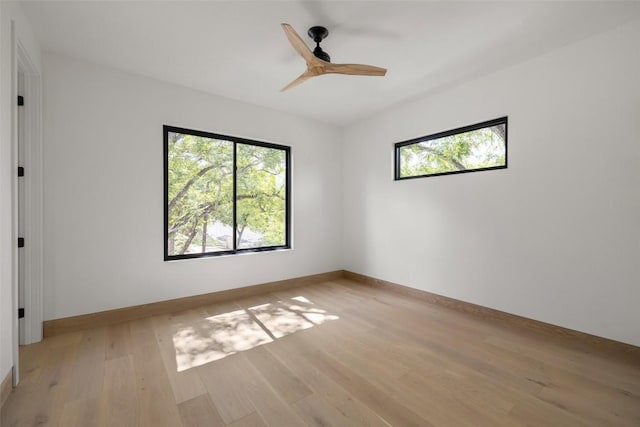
[302,78]
[298,44]
[354,69]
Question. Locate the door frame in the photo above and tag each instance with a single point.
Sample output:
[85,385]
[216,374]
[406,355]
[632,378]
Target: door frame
[33,197]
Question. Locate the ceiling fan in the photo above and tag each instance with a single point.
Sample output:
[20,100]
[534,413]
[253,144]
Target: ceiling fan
[319,62]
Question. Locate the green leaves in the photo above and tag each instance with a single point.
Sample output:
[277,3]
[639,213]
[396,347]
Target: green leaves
[261,193]
[200,194]
[475,149]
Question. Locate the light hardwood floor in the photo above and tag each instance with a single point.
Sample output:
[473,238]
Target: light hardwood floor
[332,354]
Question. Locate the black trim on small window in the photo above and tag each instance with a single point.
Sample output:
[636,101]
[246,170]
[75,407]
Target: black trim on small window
[487,124]
[235,140]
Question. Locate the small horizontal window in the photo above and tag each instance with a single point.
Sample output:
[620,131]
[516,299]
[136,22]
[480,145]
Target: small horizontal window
[478,147]
[224,195]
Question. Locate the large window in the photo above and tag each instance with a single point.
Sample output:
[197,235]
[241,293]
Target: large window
[223,194]
[482,146]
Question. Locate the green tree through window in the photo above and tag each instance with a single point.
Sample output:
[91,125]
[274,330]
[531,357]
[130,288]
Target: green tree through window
[477,147]
[223,194]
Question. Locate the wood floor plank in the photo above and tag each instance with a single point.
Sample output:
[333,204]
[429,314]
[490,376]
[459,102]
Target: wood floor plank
[315,411]
[88,370]
[391,410]
[268,403]
[237,389]
[228,394]
[200,411]
[462,356]
[595,404]
[156,405]
[380,363]
[119,395]
[540,413]
[84,413]
[252,420]
[624,377]
[443,399]
[282,380]
[118,342]
[32,358]
[353,412]
[220,308]
[155,408]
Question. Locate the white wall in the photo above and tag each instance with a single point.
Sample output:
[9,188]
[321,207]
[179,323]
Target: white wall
[556,236]
[104,190]
[9,12]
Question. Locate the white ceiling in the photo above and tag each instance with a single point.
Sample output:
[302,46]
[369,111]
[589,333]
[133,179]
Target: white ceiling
[237,49]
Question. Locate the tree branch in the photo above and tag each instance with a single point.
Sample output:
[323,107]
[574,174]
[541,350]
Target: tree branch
[456,164]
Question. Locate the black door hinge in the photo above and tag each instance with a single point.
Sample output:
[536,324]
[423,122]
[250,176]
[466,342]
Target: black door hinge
[20,100]
[20,313]
[21,242]
[20,171]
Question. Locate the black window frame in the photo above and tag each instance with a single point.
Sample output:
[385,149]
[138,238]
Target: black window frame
[235,140]
[499,121]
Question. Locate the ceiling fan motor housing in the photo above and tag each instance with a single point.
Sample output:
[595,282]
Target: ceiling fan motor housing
[318,34]
[321,54]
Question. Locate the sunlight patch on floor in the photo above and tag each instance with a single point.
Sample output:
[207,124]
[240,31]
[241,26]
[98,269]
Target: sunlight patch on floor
[216,337]
[286,317]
